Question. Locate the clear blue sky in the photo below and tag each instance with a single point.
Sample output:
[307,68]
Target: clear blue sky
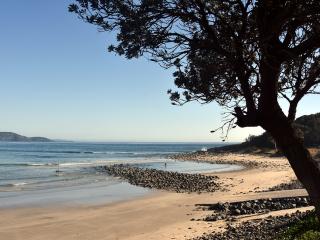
[58,81]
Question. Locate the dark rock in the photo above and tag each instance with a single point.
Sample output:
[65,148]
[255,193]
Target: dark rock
[262,229]
[255,206]
[294,184]
[172,181]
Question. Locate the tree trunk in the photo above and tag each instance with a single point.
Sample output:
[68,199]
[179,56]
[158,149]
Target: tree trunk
[304,166]
[274,121]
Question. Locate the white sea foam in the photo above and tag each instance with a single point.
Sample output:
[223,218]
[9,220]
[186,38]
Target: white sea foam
[19,184]
[70,164]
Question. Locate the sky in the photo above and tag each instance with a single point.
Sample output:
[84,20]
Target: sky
[58,81]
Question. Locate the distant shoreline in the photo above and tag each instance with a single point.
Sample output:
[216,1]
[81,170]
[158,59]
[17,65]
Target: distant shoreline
[14,137]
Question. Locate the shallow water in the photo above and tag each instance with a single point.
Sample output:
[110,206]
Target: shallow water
[188,166]
[75,195]
[28,171]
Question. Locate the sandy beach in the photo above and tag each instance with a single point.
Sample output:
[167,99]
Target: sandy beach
[159,215]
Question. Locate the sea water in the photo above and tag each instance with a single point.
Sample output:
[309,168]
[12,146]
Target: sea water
[64,172]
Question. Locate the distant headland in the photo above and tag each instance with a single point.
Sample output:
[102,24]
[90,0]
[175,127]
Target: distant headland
[14,137]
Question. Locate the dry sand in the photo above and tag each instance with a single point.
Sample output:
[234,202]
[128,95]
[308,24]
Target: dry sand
[161,215]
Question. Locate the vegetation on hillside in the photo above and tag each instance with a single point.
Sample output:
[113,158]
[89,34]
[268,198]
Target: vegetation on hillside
[309,125]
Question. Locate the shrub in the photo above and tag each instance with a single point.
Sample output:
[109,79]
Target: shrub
[307,228]
[310,235]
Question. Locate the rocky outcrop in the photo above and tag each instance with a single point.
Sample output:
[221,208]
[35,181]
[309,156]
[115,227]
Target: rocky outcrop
[171,181]
[230,210]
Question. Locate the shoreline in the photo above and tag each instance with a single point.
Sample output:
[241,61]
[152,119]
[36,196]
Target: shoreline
[114,188]
[160,215]
[91,194]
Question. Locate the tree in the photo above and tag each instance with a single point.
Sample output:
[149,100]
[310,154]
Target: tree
[243,54]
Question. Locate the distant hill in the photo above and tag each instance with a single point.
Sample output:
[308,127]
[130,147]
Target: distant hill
[13,137]
[308,124]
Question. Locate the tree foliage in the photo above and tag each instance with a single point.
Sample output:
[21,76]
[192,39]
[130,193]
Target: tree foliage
[243,54]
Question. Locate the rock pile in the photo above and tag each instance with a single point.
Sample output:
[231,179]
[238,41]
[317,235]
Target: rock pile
[294,184]
[263,229]
[206,157]
[229,210]
[172,181]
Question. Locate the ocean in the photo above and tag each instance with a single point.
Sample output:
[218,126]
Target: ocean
[39,173]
